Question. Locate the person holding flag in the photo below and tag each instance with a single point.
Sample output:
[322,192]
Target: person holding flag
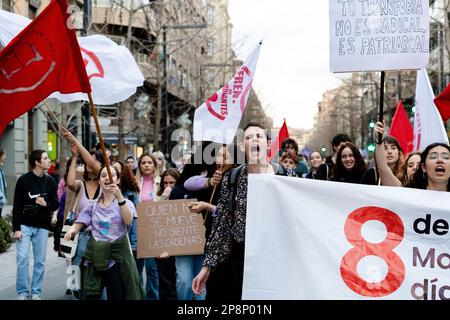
[43,58]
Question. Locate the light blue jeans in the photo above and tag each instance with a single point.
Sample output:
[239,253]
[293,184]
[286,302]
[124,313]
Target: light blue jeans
[38,237]
[187,269]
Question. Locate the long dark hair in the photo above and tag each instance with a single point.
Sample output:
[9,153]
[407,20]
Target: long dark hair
[420,178]
[128,181]
[359,168]
[169,172]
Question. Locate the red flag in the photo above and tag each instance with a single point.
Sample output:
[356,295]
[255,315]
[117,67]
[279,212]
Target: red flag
[43,58]
[442,102]
[401,129]
[276,143]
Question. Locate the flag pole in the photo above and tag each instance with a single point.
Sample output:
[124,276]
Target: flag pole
[52,114]
[220,167]
[380,111]
[100,137]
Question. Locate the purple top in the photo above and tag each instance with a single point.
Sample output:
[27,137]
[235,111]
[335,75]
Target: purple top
[196,183]
[107,223]
[84,201]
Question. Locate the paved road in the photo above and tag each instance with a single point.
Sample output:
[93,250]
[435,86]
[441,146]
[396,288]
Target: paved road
[55,277]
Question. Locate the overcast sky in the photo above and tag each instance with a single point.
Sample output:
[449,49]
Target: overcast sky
[293,67]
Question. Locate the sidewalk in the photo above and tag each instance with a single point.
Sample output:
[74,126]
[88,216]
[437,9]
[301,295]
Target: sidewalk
[54,286]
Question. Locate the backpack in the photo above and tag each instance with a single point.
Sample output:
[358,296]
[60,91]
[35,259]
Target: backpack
[236,172]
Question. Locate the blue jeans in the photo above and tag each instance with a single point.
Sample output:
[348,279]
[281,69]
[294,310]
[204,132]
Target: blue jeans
[187,269]
[152,286]
[83,240]
[38,237]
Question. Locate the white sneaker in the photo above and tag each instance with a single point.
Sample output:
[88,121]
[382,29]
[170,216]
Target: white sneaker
[22,297]
[35,297]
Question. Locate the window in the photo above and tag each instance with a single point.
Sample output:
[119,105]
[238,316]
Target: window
[210,14]
[210,47]
[6,5]
[211,77]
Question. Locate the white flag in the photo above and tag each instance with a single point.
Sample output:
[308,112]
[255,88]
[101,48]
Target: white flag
[428,125]
[218,118]
[113,73]
[10,26]
[363,242]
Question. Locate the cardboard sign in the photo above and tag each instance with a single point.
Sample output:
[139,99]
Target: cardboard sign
[169,226]
[380,35]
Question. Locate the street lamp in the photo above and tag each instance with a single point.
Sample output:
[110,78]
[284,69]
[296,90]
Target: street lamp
[166,136]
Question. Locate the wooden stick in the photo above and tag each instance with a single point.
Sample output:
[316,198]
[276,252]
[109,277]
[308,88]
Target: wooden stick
[100,137]
[52,114]
[379,137]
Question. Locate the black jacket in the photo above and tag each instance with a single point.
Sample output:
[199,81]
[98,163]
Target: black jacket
[25,209]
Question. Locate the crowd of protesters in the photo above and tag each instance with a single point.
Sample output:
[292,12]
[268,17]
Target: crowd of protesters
[101,213]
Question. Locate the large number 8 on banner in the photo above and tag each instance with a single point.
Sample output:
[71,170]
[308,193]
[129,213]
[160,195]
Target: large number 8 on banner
[383,250]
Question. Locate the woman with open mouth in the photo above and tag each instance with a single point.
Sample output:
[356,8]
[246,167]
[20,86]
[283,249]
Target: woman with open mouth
[433,172]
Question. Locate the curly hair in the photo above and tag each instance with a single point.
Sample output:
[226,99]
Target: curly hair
[169,172]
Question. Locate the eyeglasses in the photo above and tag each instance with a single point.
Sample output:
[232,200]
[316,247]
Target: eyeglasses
[435,156]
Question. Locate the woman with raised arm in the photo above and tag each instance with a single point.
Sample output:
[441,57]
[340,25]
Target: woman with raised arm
[392,155]
[387,175]
[110,262]
[88,189]
[85,154]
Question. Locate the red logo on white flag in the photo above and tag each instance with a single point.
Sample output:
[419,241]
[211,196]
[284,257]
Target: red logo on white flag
[95,69]
[219,108]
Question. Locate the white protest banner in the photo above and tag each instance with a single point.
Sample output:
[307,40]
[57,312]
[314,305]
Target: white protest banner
[311,239]
[368,35]
[218,118]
